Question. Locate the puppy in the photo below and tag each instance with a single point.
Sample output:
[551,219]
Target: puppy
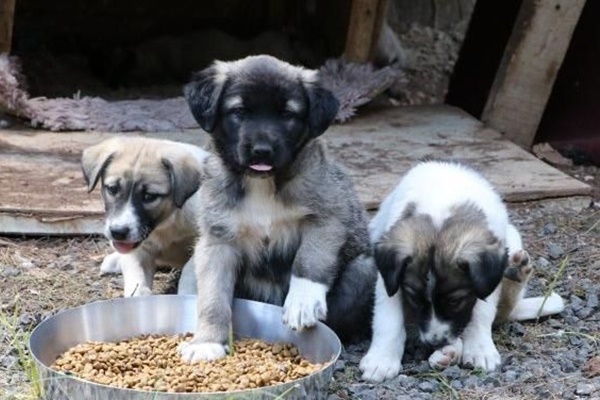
[279,221]
[148,189]
[442,244]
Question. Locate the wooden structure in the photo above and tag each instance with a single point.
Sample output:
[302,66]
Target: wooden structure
[533,56]
[376,148]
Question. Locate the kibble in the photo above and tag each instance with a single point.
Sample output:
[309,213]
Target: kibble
[153,363]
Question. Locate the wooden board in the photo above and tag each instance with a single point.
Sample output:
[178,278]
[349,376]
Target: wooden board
[44,192]
[7,13]
[533,56]
[366,19]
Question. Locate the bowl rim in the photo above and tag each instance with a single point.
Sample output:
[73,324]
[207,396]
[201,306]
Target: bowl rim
[292,384]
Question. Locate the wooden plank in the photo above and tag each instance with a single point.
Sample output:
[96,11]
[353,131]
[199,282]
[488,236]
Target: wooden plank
[366,19]
[526,74]
[7,13]
[44,191]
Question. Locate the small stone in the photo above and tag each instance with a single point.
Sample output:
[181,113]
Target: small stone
[543,262]
[362,391]
[576,303]
[339,366]
[555,251]
[549,228]
[592,300]
[511,376]
[584,313]
[4,124]
[452,372]
[406,382]
[9,271]
[427,386]
[456,384]
[471,382]
[517,329]
[584,389]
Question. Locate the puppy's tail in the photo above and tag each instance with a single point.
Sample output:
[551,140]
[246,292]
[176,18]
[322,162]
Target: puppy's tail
[534,307]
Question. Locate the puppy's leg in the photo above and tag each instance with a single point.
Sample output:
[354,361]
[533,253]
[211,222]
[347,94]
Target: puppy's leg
[384,358]
[514,283]
[138,274]
[216,265]
[187,280]
[479,349]
[447,355]
[111,264]
[313,272]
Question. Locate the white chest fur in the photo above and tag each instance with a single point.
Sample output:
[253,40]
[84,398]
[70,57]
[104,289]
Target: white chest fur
[261,215]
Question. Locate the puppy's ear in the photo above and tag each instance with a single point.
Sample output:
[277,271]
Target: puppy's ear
[390,264]
[94,161]
[323,107]
[185,178]
[203,94]
[485,270]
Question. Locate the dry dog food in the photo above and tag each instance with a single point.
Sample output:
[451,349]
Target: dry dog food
[152,363]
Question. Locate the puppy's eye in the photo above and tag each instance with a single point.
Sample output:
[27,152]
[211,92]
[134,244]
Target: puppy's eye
[150,197]
[113,190]
[454,302]
[239,113]
[287,114]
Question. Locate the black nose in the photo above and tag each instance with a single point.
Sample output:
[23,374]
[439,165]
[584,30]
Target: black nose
[262,150]
[119,232]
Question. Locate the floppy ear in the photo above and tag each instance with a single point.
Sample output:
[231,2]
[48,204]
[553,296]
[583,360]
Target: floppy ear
[323,107]
[202,95]
[94,161]
[486,270]
[185,179]
[390,264]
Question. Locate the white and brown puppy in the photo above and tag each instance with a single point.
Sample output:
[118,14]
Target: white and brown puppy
[279,221]
[148,189]
[443,241]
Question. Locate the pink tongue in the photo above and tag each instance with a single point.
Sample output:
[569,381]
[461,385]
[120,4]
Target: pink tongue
[123,247]
[261,167]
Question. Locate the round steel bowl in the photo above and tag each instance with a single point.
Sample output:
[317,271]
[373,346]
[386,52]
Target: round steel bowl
[117,319]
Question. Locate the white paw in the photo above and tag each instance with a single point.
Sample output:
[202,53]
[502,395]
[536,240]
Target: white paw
[481,353]
[446,356]
[111,264]
[192,352]
[378,365]
[305,304]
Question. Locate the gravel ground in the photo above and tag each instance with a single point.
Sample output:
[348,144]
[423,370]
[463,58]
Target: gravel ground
[555,358]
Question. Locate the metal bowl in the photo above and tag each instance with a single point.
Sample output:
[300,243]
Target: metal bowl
[118,319]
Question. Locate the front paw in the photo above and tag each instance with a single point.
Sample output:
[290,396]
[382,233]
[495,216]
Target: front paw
[481,353]
[446,356]
[519,268]
[192,352]
[378,365]
[111,264]
[305,304]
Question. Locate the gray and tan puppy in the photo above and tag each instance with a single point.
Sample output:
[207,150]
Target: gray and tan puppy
[279,221]
[148,188]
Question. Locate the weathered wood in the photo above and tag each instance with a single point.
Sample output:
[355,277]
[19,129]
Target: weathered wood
[526,74]
[7,13]
[43,191]
[366,19]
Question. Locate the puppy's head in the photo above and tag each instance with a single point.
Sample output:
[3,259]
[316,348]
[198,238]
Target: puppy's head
[442,272]
[260,111]
[143,182]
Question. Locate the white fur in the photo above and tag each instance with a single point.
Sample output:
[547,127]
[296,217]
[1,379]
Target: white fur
[384,358]
[531,308]
[127,218]
[435,187]
[436,330]
[192,352]
[305,303]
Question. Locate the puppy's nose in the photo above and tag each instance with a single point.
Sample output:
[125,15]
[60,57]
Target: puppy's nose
[262,150]
[119,232]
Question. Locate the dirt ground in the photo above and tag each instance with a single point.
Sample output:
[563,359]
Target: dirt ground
[41,276]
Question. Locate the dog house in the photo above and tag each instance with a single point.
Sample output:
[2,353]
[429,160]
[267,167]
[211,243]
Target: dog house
[110,38]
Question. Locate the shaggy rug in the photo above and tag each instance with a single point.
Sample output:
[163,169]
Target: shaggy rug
[353,84]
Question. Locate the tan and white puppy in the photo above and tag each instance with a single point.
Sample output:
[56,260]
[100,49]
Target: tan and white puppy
[148,189]
[443,242]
